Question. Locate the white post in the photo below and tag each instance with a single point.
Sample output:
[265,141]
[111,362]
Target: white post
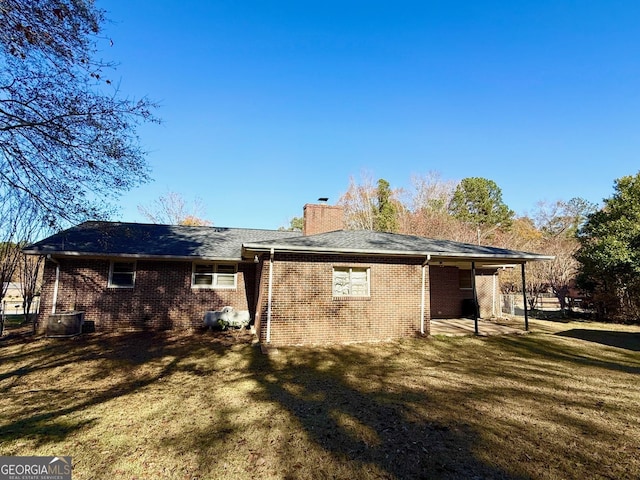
[55,289]
[425,265]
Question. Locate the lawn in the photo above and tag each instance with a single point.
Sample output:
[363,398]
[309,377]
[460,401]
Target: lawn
[562,402]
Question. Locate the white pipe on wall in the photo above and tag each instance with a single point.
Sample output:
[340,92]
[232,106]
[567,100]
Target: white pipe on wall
[269,296]
[425,265]
[55,285]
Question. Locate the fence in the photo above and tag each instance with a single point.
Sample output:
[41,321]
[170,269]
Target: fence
[547,306]
[9,307]
[513,304]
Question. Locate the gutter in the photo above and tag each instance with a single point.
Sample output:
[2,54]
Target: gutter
[270,295]
[138,256]
[425,265]
[404,253]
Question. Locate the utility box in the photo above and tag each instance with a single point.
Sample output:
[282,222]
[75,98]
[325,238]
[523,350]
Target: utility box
[468,308]
[65,324]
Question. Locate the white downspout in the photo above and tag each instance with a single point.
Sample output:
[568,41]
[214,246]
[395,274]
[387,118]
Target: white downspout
[269,296]
[55,285]
[425,264]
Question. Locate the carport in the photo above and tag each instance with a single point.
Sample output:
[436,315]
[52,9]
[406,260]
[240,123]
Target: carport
[474,320]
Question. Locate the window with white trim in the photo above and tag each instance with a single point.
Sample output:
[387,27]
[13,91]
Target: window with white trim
[214,275]
[351,282]
[122,274]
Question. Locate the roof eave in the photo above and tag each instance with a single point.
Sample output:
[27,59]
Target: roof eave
[137,256]
[434,255]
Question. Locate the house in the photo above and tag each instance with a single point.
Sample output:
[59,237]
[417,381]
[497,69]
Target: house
[324,285]
[11,302]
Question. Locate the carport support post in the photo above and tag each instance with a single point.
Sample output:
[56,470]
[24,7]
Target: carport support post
[524,297]
[475,296]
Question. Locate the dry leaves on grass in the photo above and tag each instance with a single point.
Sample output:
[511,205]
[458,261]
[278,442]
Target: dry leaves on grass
[558,403]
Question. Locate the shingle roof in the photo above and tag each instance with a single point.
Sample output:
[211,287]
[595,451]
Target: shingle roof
[175,241]
[150,240]
[370,242]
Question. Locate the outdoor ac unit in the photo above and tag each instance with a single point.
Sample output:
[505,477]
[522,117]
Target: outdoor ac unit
[65,324]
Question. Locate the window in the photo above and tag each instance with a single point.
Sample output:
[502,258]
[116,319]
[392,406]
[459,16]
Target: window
[213,275]
[350,282]
[464,279]
[122,274]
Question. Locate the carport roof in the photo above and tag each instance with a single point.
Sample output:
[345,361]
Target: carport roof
[380,243]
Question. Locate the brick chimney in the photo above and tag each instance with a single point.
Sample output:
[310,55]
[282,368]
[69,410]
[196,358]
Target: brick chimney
[321,217]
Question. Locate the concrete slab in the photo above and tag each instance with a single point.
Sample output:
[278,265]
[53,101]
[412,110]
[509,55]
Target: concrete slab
[465,326]
[268,349]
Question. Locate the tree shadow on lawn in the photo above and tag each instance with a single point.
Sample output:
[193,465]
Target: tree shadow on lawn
[544,346]
[626,340]
[374,432]
[46,401]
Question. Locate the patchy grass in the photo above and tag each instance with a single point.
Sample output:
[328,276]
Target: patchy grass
[558,403]
[13,321]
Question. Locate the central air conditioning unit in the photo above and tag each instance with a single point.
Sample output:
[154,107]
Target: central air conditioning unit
[65,324]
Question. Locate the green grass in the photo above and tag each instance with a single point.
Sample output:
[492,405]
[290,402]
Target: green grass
[12,321]
[558,403]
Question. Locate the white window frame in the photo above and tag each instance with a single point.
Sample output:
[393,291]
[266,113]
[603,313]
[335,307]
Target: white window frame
[215,276]
[345,290]
[131,272]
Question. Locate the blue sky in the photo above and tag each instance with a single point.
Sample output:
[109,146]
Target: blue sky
[268,105]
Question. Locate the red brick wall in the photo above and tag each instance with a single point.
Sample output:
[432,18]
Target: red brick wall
[446,295]
[304,310]
[161,298]
[322,218]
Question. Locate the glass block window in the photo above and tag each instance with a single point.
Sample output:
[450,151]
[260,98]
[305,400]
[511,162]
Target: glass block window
[351,282]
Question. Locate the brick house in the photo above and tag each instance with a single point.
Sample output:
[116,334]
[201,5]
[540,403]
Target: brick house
[325,285]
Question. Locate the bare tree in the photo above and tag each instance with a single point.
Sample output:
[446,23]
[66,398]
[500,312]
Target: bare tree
[561,272]
[426,210]
[562,218]
[435,224]
[358,202]
[68,138]
[430,192]
[558,223]
[535,283]
[18,222]
[171,208]
[30,268]
[9,258]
